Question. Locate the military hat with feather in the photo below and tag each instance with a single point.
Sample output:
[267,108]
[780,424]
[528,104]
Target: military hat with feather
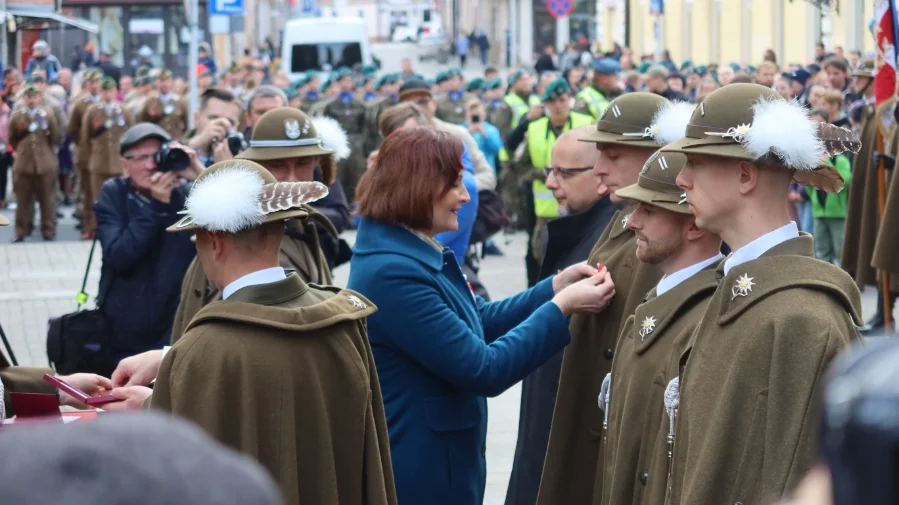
[753,123]
[287,132]
[237,195]
[637,120]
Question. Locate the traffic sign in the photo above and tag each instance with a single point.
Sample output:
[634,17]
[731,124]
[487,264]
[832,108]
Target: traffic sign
[227,7]
[559,8]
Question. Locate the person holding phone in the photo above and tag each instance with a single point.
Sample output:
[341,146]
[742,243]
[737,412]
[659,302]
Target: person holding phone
[485,134]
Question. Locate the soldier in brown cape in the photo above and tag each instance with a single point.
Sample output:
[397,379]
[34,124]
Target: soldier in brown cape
[633,127]
[103,125]
[288,144]
[862,214]
[165,108]
[647,357]
[745,428]
[279,369]
[34,134]
[886,249]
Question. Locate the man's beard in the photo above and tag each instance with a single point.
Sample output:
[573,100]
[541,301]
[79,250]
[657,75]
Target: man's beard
[659,250]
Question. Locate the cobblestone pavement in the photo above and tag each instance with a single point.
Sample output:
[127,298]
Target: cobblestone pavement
[39,280]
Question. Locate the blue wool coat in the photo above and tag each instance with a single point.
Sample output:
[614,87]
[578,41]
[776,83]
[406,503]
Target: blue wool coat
[439,351]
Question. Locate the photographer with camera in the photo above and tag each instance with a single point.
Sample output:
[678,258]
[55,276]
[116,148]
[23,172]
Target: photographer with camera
[143,266]
[216,137]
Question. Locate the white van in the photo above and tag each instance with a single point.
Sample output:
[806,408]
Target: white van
[321,44]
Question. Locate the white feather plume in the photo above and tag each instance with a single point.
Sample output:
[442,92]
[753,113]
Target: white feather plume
[785,129]
[227,200]
[670,122]
[333,136]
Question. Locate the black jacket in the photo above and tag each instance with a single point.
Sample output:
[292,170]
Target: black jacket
[571,238]
[143,265]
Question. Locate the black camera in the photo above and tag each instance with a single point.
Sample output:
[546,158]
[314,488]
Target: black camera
[475,118]
[236,142]
[171,159]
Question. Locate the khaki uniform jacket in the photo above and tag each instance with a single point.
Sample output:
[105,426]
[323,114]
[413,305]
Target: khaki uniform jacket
[747,423]
[306,258]
[886,248]
[453,111]
[373,111]
[35,151]
[22,379]
[635,457]
[76,117]
[134,102]
[572,473]
[284,373]
[51,104]
[171,116]
[862,213]
[100,135]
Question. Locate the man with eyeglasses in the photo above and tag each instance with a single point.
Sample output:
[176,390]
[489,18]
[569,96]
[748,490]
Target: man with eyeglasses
[541,136]
[585,212]
[143,266]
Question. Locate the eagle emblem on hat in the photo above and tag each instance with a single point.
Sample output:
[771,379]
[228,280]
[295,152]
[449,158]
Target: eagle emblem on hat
[292,129]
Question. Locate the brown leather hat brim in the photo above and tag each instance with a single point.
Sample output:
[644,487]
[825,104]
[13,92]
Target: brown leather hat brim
[280,153]
[601,137]
[637,193]
[186,224]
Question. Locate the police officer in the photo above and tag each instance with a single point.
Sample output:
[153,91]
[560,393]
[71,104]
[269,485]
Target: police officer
[34,134]
[388,86]
[103,125]
[165,108]
[451,105]
[595,98]
[541,136]
[347,110]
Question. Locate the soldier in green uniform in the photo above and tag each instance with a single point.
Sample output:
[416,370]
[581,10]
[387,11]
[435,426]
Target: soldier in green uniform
[388,86]
[476,88]
[531,170]
[746,422]
[652,340]
[632,128]
[451,105]
[594,98]
[347,110]
[493,99]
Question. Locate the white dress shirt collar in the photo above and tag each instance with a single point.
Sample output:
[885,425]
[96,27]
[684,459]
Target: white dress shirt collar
[265,276]
[761,245]
[166,98]
[670,282]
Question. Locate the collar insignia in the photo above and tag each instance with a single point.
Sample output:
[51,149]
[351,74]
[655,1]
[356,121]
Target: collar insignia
[647,326]
[359,304]
[743,286]
[624,220]
[683,198]
[292,129]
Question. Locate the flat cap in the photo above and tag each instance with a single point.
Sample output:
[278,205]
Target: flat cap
[140,132]
[413,88]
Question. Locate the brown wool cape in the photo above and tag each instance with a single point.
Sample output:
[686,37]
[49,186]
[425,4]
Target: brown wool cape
[862,213]
[284,372]
[746,427]
[303,256]
[886,248]
[571,473]
[635,458]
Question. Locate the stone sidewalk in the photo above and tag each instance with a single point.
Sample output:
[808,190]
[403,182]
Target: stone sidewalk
[40,280]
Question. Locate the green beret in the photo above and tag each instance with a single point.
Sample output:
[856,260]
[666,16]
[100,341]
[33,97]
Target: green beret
[515,76]
[109,83]
[454,72]
[644,67]
[165,74]
[326,82]
[368,70]
[142,71]
[291,93]
[386,79]
[701,69]
[341,73]
[93,76]
[299,83]
[441,77]
[476,84]
[751,69]
[493,84]
[735,66]
[686,64]
[31,90]
[556,89]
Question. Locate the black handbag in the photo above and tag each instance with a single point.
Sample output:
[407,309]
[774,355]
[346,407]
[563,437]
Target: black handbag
[491,217]
[80,341]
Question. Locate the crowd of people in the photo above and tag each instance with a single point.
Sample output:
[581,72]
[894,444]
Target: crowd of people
[697,236]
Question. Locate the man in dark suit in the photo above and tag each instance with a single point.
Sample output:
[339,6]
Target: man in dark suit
[585,212]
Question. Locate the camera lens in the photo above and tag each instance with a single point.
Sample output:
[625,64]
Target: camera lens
[171,159]
[236,142]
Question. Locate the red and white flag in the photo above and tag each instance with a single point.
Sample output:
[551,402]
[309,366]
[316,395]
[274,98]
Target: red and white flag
[885,35]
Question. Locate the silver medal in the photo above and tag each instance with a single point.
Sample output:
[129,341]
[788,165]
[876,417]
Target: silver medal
[108,123]
[168,109]
[32,127]
[458,110]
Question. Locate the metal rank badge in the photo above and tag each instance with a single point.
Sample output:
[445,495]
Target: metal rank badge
[357,302]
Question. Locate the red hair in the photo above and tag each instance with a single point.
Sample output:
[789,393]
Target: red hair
[415,167]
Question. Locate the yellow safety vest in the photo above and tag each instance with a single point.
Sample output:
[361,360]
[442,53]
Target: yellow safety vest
[541,140]
[519,109]
[596,101]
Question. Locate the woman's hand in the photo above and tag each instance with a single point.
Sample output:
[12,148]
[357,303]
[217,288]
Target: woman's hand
[130,398]
[92,384]
[572,274]
[591,295]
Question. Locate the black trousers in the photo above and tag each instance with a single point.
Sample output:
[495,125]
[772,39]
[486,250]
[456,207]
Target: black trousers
[6,160]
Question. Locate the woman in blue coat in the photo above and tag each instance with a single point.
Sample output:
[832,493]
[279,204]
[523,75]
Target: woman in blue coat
[439,350]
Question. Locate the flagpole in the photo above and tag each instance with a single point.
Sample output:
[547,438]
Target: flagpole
[881,205]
